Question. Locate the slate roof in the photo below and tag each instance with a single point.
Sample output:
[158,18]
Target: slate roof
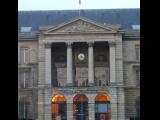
[35,19]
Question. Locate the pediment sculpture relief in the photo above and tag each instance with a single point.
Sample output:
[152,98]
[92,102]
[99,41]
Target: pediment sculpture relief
[79,26]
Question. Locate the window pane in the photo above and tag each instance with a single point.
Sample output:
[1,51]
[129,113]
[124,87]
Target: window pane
[24,79]
[137,53]
[23,109]
[27,79]
[138,76]
[21,79]
[24,55]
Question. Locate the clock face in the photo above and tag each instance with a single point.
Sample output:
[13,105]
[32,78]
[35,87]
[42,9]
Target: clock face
[81,56]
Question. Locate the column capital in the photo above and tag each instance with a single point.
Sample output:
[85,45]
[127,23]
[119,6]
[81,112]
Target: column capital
[69,44]
[111,43]
[48,45]
[90,44]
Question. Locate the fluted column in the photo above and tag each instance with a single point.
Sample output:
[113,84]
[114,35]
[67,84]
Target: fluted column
[112,62]
[48,64]
[69,65]
[90,64]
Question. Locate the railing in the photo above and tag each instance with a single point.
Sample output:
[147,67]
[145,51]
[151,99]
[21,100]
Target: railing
[83,85]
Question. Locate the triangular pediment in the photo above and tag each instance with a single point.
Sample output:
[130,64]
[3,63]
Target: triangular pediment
[80,25]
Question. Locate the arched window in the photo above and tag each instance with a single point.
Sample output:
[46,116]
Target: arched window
[23,109]
[102,107]
[59,107]
[80,107]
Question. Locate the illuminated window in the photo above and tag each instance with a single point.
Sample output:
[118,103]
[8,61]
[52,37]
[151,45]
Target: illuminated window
[80,107]
[102,107]
[24,55]
[59,107]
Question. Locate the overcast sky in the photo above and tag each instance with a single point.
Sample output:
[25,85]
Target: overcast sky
[74,4]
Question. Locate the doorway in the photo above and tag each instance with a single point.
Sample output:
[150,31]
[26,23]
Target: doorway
[59,107]
[80,107]
[102,107]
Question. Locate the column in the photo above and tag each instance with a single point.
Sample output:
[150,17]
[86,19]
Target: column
[91,107]
[48,64]
[91,111]
[69,110]
[90,64]
[47,104]
[112,62]
[114,103]
[69,65]
[121,103]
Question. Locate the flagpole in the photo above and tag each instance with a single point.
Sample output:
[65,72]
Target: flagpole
[79,7]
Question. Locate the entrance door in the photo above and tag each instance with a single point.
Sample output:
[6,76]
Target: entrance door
[102,107]
[59,107]
[80,107]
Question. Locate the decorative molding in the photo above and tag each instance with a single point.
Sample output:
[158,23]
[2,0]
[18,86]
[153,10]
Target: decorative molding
[111,43]
[90,44]
[69,44]
[80,25]
[48,45]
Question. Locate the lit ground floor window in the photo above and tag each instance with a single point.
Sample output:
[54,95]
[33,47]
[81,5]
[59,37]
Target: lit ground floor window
[59,107]
[102,107]
[81,107]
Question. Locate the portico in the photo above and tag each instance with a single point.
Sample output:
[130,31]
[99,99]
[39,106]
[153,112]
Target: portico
[79,58]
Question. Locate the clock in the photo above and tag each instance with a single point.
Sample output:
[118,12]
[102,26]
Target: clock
[81,56]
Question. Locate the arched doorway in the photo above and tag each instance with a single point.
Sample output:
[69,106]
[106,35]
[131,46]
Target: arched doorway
[59,107]
[80,107]
[102,107]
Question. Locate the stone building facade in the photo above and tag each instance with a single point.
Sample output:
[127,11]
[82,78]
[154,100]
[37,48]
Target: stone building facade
[79,70]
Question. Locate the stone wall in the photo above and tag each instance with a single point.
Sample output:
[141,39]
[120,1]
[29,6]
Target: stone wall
[30,92]
[132,88]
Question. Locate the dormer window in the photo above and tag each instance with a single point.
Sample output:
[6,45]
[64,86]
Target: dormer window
[135,27]
[26,29]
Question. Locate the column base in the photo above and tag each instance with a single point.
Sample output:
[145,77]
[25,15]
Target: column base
[70,84]
[91,84]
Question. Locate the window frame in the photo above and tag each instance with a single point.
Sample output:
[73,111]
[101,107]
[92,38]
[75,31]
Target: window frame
[24,79]
[137,52]
[24,55]
[137,76]
[23,108]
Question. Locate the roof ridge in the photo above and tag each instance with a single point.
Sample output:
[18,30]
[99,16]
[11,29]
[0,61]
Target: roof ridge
[78,10]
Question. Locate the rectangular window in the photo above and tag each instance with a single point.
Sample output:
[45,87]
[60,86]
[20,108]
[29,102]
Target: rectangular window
[26,29]
[137,76]
[24,55]
[137,53]
[24,79]
[23,110]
